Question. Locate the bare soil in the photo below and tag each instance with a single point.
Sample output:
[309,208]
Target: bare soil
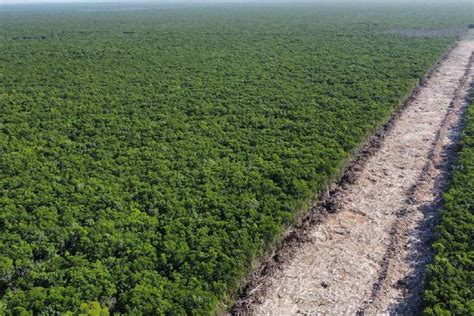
[364,248]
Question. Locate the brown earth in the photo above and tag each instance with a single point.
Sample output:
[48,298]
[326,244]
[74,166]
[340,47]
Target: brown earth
[364,248]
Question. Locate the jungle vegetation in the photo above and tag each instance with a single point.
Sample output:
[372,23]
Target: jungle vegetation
[148,154]
[449,288]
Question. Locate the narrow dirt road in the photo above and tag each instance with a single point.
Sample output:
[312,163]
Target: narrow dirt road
[369,255]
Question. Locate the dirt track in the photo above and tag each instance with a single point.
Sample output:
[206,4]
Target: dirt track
[369,255]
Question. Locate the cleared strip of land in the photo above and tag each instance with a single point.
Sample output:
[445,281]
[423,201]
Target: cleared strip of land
[369,255]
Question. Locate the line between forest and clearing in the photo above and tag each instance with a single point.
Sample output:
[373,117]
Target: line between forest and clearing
[365,248]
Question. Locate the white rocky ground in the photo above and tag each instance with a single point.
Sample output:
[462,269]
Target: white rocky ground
[369,255]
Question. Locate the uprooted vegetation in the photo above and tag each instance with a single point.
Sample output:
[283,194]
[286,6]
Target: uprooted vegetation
[368,252]
[148,157]
[451,274]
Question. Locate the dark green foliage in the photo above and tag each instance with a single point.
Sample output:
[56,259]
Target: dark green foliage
[451,274]
[147,157]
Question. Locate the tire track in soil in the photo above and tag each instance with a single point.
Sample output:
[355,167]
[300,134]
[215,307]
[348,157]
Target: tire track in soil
[363,249]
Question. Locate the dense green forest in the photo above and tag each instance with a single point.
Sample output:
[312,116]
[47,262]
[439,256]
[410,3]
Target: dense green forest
[451,274]
[149,153]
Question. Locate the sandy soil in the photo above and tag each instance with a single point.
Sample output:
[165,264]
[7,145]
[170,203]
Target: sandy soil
[369,255]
